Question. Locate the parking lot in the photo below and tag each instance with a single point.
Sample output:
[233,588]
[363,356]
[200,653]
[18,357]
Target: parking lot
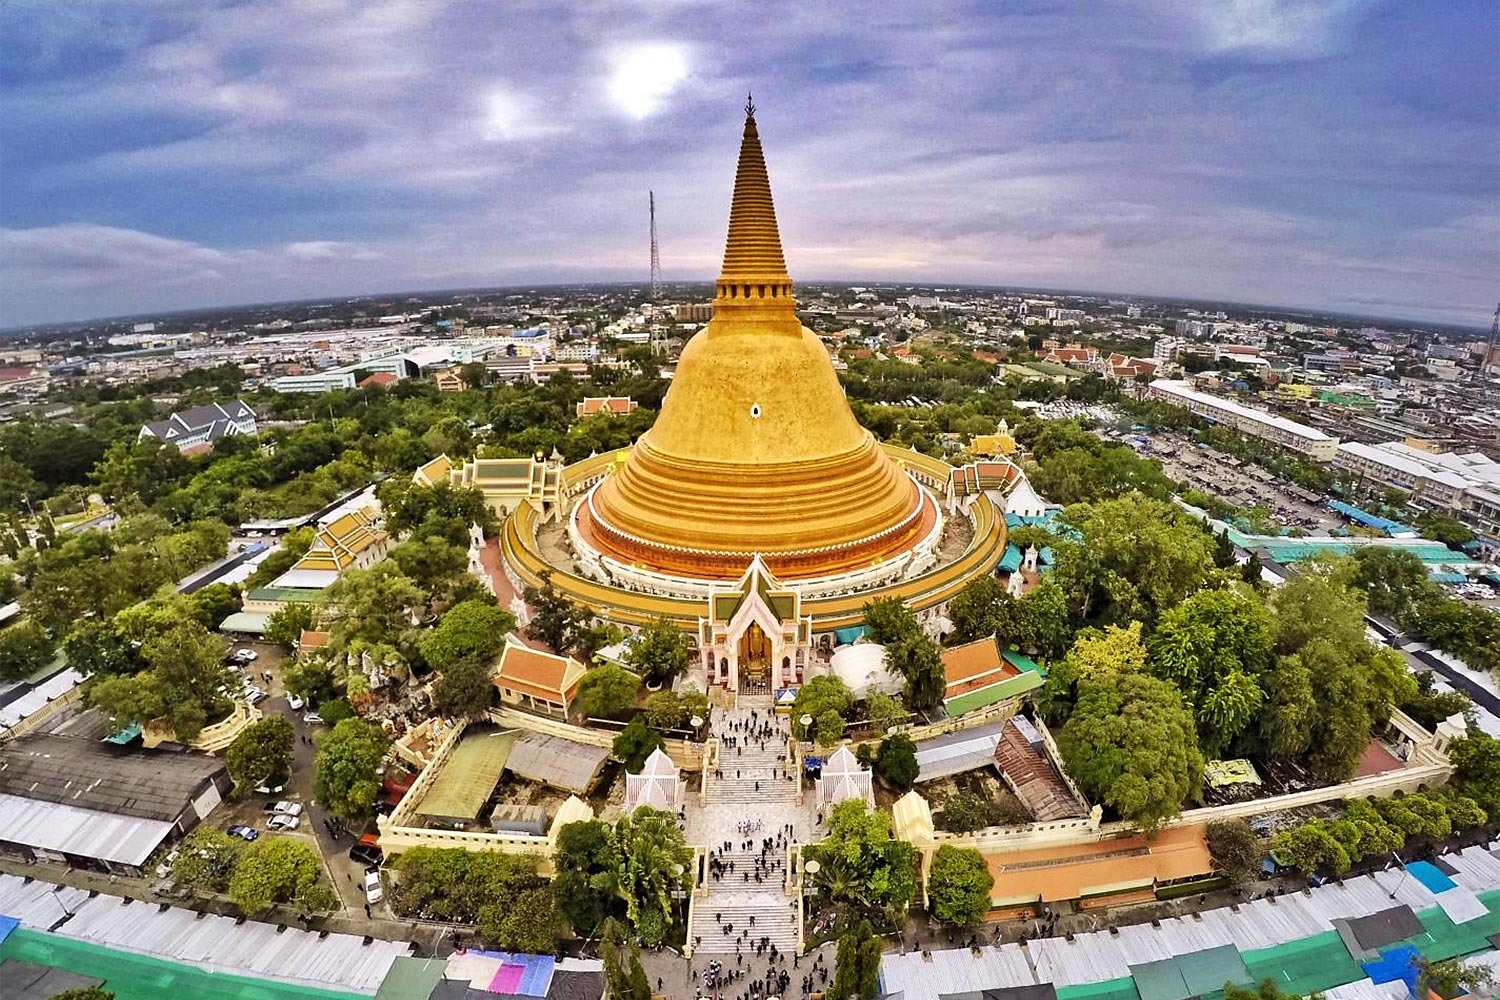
[315,826]
[1240,483]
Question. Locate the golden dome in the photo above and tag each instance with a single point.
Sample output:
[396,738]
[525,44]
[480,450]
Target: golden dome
[755,449]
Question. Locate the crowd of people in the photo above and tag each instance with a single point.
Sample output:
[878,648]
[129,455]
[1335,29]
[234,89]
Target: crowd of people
[769,859]
[718,979]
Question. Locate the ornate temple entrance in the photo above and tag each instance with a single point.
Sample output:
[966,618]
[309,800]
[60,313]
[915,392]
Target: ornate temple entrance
[755,660]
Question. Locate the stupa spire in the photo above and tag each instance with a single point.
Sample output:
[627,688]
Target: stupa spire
[752,254]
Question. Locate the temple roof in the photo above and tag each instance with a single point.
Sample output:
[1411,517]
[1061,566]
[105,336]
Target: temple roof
[753,250]
[755,449]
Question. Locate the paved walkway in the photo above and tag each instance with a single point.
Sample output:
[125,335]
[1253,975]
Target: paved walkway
[751,820]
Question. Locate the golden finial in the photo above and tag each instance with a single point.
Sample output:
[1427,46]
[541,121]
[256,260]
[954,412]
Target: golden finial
[749,106]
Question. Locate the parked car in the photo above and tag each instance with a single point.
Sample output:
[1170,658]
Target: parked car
[313,719]
[284,808]
[243,832]
[281,821]
[366,855]
[246,655]
[295,702]
[373,891]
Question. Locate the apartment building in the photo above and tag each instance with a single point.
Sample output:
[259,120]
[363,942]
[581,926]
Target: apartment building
[1249,420]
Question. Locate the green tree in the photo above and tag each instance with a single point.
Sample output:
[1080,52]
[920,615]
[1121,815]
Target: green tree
[1268,990]
[1392,580]
[586,872]
[958,885]
[1098,655]
[555,620]
[432,563]
[606,692]
[659,652]
[205,860]
[469,631]
[213,604]
[816,697]
[279,870]
[347,760]
[972,610]
[286,625]
[525,922]
[84,993]
[634,744]
[372,604]
[652,860]
[463,689]
[861,866]
[920,661]
[1453,977]
[1309,848]
[888,620]
[666,710]
[896,762]
[312,678]
[828,728]
[262,753]
[294,545]
[1214,646]
[1134,557]
[884,712]
[1235,849]
[1476,763]
[1131,743]
[1443,528]
[25,648]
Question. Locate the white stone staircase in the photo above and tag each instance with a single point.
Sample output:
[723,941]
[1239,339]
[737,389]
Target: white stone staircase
[733,898]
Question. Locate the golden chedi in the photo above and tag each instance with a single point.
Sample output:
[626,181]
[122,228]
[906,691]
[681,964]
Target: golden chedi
[756,450]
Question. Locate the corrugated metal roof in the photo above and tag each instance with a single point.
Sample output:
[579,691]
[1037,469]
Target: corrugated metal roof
[150,784]
[126,840]
[555,761]
[339,962]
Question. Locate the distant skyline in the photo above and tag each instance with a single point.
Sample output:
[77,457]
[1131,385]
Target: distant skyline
[1338,155]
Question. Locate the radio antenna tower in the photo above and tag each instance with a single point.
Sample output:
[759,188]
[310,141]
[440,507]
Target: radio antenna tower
[655,253]
[1489,355]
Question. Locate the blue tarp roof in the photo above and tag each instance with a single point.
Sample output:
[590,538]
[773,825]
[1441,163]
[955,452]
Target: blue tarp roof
[845,636]
[1369,520]
[1447,578]
[7,924]
[1431,876]
[1011,560]
[1393,964]
[125,735]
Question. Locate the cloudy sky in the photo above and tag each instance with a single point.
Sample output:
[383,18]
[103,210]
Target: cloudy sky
[179,153]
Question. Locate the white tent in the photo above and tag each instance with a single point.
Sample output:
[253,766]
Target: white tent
[843,778]
[657,786]
[863,668]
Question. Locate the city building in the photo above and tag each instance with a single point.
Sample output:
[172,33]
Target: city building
[92,803]
[507,483]
[611,405]
[449,380]
[316,382]
[1248,420]
[537,680]
[201,426]
[1466,486]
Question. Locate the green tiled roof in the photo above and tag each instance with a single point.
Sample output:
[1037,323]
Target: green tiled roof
[289,595]
[1021,662]
[1011,687]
